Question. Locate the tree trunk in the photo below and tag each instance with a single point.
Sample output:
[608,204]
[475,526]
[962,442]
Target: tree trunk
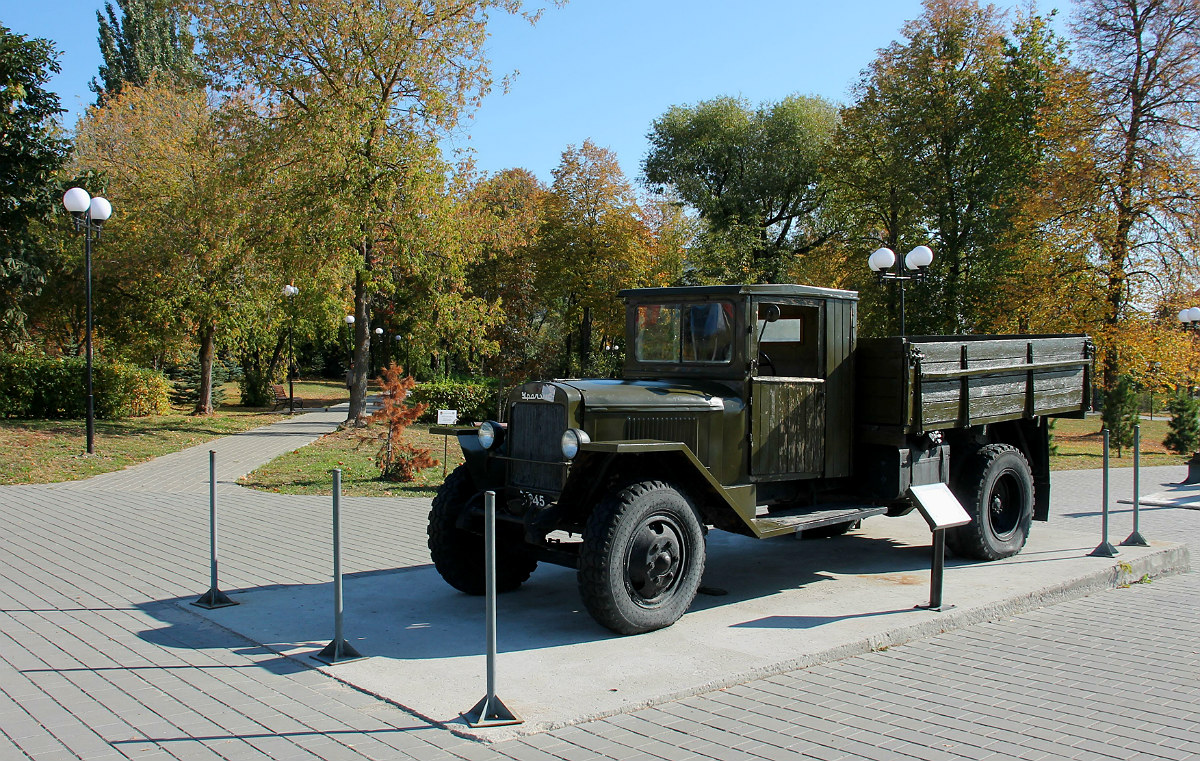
[585,342]
[362,352]
[208,334]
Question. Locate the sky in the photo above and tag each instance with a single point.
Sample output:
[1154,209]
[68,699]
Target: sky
[595,69]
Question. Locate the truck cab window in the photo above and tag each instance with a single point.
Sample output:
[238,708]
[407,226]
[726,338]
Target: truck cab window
[708,332]
[658,333]
[788,346]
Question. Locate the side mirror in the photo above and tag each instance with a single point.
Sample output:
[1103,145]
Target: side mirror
[771,313]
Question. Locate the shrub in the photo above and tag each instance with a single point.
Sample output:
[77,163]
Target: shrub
[1183,434]
[475,402]
[55,387]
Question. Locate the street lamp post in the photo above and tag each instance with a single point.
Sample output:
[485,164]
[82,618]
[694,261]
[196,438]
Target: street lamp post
[1190,320]
[89,214]
[382,348]
[915,267]
[349,350]
[290,292]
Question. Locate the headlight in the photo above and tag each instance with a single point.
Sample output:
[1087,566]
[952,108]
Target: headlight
[572,438]
[490,434]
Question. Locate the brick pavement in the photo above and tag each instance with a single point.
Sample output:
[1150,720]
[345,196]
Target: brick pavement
[98,662]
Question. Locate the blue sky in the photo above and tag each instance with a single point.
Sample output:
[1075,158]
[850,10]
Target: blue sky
[598,69]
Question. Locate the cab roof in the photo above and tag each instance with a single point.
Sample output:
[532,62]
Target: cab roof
[735,291]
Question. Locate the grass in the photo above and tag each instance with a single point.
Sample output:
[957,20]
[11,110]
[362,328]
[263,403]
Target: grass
[49,451]
[1080,446]
[307,470]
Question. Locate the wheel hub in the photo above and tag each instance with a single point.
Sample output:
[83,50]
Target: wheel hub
[654,560]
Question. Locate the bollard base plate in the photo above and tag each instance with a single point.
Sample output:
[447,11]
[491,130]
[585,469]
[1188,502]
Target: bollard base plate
[491,712]
[1135,540]
[214,598]
[338,651]
[934,608]
[1105,550]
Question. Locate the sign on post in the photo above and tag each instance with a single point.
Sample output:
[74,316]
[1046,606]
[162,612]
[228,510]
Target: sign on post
[941,510]
[447,417]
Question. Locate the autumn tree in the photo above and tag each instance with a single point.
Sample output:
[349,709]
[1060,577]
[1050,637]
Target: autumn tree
[179,259]
[148,37]
[507,213]
[1136,188]
[752,174]
[592,243]
[941,144]
[32,152]
[366,89]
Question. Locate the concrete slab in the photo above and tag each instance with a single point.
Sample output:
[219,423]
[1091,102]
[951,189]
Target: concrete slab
[1179,495]
[788,604]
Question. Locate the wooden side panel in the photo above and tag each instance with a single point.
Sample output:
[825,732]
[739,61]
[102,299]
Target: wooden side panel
[880,365]
[840,322]
[788,427]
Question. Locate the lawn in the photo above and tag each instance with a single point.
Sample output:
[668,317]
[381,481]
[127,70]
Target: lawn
[49,451]
[1080,445]
[307,470]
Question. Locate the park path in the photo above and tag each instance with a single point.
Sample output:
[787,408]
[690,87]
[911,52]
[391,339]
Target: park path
[99,661]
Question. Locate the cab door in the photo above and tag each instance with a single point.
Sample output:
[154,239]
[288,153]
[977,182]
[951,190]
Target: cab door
[787,408]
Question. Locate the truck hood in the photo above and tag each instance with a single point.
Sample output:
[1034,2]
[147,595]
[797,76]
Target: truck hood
[649,395]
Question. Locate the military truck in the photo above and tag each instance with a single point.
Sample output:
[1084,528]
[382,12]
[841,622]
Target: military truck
[752,409]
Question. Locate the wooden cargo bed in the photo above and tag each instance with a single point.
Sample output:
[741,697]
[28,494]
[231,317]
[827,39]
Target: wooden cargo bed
[929,383]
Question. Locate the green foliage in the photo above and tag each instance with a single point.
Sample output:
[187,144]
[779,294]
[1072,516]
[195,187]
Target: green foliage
[1121,413]
[150,36]
[55,387]
[185,382]
[475,402]
[1183,432]
[32,151]
[754,175]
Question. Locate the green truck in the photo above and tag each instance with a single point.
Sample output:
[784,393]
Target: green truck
[752,409]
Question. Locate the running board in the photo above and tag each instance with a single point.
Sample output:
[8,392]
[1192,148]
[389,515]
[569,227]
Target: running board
[800,519]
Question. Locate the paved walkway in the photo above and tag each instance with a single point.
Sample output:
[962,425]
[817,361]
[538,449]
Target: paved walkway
[97,661]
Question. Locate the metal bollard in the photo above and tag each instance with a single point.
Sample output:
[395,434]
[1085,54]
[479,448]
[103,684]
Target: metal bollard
[490,711]
[1104,549]
[338,650]
[214,597]
[1135,539]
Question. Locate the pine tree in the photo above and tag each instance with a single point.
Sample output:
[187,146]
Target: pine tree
[149,36]
[1183,432]
[1121,413]
[399,461]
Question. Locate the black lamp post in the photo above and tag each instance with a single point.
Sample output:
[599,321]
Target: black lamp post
[349,350]
[290,292]
[1190,320]
[914,267]
[89,214]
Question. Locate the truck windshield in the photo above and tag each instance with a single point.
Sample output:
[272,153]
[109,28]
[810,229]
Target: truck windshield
[685,333]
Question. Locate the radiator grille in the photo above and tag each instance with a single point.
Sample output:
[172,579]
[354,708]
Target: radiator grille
[535,433]
[663,428]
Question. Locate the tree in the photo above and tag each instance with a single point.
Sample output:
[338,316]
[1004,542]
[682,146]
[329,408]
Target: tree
[364,90]
[1143,58]
[150,36]
[942,143]
[32,152]
[1121,413]
[754,176]
[592,244]
[179,259]
[1183,434]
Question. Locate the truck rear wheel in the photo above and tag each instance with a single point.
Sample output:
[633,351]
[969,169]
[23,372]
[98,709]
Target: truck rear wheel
[996,488]
[642,558]
[458,554]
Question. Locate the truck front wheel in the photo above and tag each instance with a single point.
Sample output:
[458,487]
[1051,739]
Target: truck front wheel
[458,554]
[642,558]
[996,488]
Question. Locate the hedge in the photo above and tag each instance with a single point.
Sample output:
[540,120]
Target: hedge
[55,387]
[475,402]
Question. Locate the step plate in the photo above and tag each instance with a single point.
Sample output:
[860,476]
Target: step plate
[792,521]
